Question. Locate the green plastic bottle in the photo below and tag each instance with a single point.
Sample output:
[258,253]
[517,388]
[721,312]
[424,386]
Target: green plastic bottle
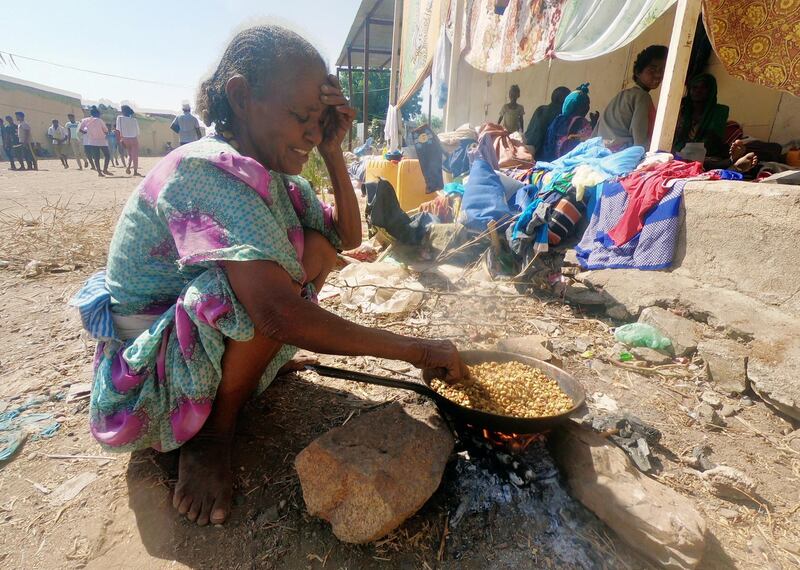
[641,334]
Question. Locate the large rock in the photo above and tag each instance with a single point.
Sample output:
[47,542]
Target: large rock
[655,520]
[726,364]
[682,332]
[530,345]
[773,371]
[369,475]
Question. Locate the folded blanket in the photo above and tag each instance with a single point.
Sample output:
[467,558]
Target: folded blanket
[651,249]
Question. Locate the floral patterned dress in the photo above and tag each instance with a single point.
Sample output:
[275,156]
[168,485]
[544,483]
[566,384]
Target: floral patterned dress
[202,204]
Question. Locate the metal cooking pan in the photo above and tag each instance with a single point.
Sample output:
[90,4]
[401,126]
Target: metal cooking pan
[476,418]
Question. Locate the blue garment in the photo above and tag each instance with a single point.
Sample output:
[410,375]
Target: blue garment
[484,197]
[652,249]
[93,302]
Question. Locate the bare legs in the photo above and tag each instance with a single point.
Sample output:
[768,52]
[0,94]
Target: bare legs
[205,484]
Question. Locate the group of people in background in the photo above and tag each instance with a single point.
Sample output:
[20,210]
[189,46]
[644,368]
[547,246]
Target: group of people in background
[91,142]
[629,117]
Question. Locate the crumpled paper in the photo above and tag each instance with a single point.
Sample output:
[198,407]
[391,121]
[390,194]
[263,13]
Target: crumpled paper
[380,288]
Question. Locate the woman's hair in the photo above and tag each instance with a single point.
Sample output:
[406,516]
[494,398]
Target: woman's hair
[260,54]
[647,56]
[126,110]
[94,111]
[514,87]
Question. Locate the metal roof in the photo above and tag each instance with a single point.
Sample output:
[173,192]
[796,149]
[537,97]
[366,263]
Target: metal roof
[381,15]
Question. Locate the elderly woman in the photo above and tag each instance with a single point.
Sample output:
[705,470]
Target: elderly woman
[214,267]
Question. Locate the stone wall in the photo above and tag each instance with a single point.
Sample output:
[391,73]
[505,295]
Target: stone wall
[743,237]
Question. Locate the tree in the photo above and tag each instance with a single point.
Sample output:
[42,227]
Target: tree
[378,96]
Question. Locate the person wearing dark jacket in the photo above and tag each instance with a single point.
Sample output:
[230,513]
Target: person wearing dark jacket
[542,118]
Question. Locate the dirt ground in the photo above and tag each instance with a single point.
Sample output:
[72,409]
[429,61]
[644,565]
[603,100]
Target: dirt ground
[123,518]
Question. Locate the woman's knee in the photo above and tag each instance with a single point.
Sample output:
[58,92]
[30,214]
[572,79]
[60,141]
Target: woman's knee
[319,255]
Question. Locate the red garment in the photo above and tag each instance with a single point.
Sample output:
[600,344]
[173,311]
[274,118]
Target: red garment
[645,188]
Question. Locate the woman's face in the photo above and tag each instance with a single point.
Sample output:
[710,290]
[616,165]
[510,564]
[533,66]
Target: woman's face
[652,75]
[285,124]
[699,91]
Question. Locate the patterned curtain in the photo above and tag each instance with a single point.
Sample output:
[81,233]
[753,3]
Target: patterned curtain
[422,24]
[757,40]
[523,35]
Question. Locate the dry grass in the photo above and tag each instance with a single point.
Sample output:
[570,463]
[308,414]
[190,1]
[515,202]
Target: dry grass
[59,238]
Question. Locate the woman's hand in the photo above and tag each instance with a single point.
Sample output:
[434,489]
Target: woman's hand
[339,116]
[440,359]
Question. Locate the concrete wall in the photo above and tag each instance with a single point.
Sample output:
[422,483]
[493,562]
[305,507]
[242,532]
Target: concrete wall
[39,105]
[743,237]
[763,112]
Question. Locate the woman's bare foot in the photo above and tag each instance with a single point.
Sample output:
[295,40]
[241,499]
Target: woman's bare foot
[299,362]
[746,163]
[205,481]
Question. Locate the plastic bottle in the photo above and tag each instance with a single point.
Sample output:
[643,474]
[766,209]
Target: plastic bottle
[641,334]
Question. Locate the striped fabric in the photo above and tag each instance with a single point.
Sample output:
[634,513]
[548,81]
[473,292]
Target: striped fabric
[93,302]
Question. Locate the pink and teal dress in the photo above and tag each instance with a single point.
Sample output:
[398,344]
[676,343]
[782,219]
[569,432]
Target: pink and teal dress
[202,204]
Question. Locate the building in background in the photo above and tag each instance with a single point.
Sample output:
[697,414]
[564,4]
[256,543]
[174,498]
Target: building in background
[41,104]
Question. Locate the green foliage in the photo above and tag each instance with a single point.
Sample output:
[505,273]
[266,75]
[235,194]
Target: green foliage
[316,172]
[378,96]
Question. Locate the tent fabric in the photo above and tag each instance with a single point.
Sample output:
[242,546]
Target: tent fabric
[523,35]
[591,28]
[757,40]
[531,31]
[422,25]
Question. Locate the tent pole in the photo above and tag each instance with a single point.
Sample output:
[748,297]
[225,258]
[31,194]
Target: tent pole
[452,76]
[365,108]
[350,92]
[680,50]
[398,17]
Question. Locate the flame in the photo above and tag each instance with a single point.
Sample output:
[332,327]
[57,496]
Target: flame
[513,442]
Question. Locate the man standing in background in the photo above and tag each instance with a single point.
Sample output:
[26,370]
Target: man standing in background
[59,138]
[76,141]
[10,140]
[187,126]
[26,139]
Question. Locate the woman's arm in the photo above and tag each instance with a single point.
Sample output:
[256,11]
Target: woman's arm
[273,302]
[346,217]
[336,125]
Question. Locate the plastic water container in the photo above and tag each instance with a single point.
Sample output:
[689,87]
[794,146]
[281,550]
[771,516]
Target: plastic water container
[379,167]
[411,185]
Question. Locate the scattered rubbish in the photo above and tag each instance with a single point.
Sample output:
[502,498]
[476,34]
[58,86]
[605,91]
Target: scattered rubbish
[629,433]
[625,357]
[71,488]
[698,459]
[642,334]
[18,423]
[380,288]
[604,402]
[328,291]
[588,354]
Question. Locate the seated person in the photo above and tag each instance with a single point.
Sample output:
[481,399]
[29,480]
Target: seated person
[571,127]
[702,119]
[629,118]
[542,117]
